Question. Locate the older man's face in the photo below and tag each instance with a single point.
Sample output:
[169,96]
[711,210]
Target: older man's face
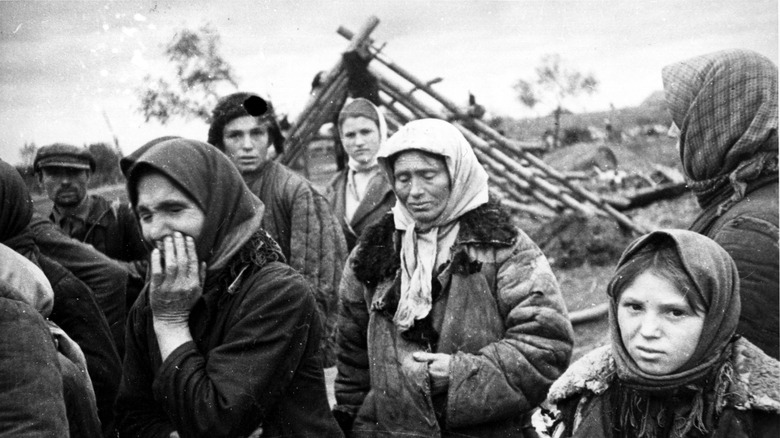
[65,186]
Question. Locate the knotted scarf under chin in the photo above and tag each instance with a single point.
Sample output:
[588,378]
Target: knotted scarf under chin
[644,412]
[420,253]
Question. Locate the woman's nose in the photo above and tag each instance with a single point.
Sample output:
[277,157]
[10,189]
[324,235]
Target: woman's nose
[155,230]
[415,187]
[650,326]
[247,143]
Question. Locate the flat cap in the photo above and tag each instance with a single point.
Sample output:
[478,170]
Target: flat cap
[64,155]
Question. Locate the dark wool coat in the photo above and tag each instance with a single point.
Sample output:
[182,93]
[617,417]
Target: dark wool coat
[499,314]
[106,277]
[377,202]
[77,313]
[112,229]
[253,362]
[31,401]
[748,231]
[751,405]
[300,220]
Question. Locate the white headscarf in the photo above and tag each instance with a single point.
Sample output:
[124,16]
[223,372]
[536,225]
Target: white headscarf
[360,174]
[468,190]
[22,280]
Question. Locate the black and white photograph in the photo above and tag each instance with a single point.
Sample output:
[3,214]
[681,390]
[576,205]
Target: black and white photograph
[446,218]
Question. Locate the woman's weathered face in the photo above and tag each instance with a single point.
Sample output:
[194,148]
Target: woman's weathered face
[658,327]
[163,209]
[422,185]
[360,137]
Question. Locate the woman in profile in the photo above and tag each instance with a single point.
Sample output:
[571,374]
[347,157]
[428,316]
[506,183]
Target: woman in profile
[675,367]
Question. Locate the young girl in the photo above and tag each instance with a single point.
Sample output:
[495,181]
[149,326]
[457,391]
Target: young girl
[675,368]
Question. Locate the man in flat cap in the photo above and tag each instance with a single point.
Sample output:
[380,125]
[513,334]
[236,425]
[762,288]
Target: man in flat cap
[110,227]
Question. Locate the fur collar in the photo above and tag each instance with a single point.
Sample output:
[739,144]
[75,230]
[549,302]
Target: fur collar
[378,258]
[756,382]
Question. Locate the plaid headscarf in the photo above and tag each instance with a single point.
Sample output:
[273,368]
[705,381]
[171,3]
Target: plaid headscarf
[725,104]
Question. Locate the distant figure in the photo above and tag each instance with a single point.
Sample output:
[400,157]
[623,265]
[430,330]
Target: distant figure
[725,105]
[64,172]
[675,367]
[474,109]
[451,321]
[360,194]
[224,341]
[298,217]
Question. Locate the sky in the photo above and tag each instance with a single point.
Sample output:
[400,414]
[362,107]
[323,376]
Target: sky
[70,70]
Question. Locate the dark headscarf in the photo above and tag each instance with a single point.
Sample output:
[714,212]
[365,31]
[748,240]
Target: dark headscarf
[725,104]
[127,162]
[714,274]
[16,210]
[243,104]
[209,178]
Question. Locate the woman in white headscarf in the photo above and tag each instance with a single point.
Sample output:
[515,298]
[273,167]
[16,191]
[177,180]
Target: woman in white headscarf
[452,323]
[360,194]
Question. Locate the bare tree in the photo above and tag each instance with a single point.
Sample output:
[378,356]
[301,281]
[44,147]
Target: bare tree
[199,69]
[554,83]
[27,153]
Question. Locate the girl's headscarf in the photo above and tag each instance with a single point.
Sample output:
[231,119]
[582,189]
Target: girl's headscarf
[209,178]
[715,276]
[361,107]
[725,104]
[468,190]
[16,210]
[641,401]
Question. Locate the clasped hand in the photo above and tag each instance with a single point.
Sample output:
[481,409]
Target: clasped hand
[175,286]
[438,369]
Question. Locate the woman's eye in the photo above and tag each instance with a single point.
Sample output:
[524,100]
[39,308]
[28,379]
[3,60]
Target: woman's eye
[677,313]
[633,307]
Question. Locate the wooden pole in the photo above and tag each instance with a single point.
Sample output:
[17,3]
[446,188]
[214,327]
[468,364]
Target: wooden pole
[357,42]
[527,176]
[483,128]
[329,100]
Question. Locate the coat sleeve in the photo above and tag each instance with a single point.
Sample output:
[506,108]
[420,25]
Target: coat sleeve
[753,244]
[137,413]
[512,376]
[353,379]
[318,251]
[77,313]
[32,402]
[218,394]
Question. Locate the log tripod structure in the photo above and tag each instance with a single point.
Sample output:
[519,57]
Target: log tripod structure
[522,181]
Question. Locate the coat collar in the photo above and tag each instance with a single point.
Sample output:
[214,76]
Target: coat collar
[756,383]
[377,256]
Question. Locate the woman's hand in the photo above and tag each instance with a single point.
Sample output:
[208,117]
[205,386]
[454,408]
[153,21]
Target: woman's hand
[438,369]
[175,287]
[173,290]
